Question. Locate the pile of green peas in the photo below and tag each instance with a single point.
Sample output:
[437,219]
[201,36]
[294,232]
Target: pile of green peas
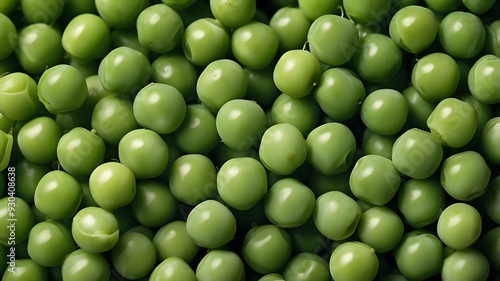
[231,140]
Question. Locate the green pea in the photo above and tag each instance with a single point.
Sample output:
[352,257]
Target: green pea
[16,219]
[353,261]
[271,277]
[320,183]
[459,226]
[468,264]
[254,45]
[381,228]
[490,136]
[80,265]
[118,14]
[487,246]
[291,24]
[378,106]
[220,265]
[40,131]
[8,6]
[315,9]
[377,144]
[307,238]
[233,14]
[304,113]
[128,38]
[453,39]
[266,248]
[491,199]
[492,35]
[26,269]
[95,230]
[198,131]
[6,143]
[307,267]
[261,87]
[346,214]
[173,269]
[133,256]
[176,70]
[36,11]
[49,242]
[481,79]
[173,240]
[112,185]
[18,96]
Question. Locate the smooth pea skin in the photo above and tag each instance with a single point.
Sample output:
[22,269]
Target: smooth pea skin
[379,58]
[173,269]
[198,131]
[443,6]
[172,240]
[421,201]
[232,13]
[414,28]
[80,265]
[339,93]
[8,35]
[339,207]
[220,265]
[124,71]
[26,269]
[374,179]
[304,113]
[113,118]
[419,255]
[41,131]
[266,248]
[465,175]
[417,154]
[221,81]
[35,11]
[453,122]
[330,148]
[177,71]
[204,41]
[118,14]
[459,226]
[242,182]
[454,39]
[112,185]
[211,224]
[144,152]
[79,151]
[86,38]
[154,205]
[58,195]
[291,25]
[283,149]
[307,267]
[353,261]
[384,111]
[377,144]
[272,277]
[436,77]
[159,28]
[27,177]
[419,109]
[482,79]
[314,9]
[49,242]
[95,230]
[490,138]
[468,264]
[62,88]
[10,236]
[18,96]
[333,39]
[296,73]
[289,203]
[133,256]
[381,228]
[240,123]
[193,178]
[254,45]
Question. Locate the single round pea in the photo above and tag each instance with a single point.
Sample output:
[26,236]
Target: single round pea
[18,96]
[13,233]
[378,106]
[26,269]
[421,201]
[133,256]
[8,35]
[490,136]
[414,28]
[118,14]
[124,71]
[436,77]
[459,226]
[41,131]
[128,38]
[377,144]
[339,207]
[465,175]
[112,118]
[28,175]
[233,14]
[173,240]
[35,11]
[282,149]
[240,123]
[177,71]
[112,185]
[419,255]
[471,30]
[320,183]
[198,131]
[381,228]
[482,77]
[304,113]
[330,148]
[221,81]
[266,248]
[154,205]
[468,264]
[492,35]
[307,267]
[95,230]
[220,265]
[58,195]
[315,9]
[296,73]
[353,261]
[374,179]
[193,179]
[339,93]
[174,269]
[333,39]
[261,87]
[80,265]
[49,243]
[291,25]
[419,109]
[211,224]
